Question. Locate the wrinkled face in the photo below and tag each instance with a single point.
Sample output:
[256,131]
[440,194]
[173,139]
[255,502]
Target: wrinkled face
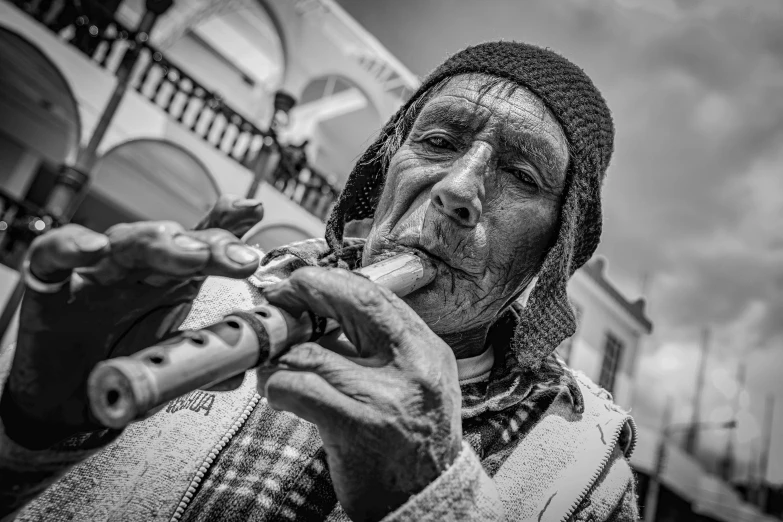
[477,187]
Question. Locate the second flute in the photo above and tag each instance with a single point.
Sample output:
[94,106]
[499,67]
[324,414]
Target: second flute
[125,389]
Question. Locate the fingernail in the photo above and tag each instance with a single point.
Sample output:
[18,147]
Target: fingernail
[246,203]
[188,243]
[241,254]
[91,243]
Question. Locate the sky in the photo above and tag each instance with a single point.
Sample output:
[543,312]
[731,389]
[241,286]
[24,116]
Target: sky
[693,200]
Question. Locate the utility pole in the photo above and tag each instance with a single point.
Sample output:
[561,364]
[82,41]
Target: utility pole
[769,413]
[692,435]
[752,479]
[654,485]
[727,464]
[644,283]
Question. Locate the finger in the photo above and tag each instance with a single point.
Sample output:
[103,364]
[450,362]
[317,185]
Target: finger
[313,383]
[160,251]
[232,213]
[149,247]
[336,341]
[372,317]
[229,257]
[165,249]
[55,254]
[339,370]
[307,396]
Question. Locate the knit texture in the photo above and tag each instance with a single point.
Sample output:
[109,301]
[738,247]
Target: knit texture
[582,113]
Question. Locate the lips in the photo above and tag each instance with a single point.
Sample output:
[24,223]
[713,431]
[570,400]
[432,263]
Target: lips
[435,254]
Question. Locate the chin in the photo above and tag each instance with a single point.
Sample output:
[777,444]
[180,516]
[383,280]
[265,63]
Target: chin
[439,305]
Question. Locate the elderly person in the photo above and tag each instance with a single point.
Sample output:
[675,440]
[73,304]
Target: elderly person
[457,409]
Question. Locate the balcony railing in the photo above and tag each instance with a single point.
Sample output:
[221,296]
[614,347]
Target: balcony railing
[96,33]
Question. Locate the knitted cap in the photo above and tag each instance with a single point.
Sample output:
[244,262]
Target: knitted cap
[586,121]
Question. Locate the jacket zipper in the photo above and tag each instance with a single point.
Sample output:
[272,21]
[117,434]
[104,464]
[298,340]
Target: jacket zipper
[604,462]
[216,449]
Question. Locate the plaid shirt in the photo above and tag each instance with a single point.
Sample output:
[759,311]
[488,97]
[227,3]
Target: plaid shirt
[275,466]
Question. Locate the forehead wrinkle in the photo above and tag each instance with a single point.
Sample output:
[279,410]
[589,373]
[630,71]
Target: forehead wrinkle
[532,139]
[461,113]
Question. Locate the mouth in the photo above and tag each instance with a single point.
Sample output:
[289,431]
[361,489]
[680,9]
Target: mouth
[421,250]
[430,255]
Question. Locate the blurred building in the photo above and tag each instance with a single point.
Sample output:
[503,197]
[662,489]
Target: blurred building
[610,329]
[197,114]
[606,347]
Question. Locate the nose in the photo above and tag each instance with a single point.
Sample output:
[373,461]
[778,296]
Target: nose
[459,195]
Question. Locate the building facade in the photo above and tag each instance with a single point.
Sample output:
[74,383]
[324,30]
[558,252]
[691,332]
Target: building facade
[141,117]
[607,346]
[609,333]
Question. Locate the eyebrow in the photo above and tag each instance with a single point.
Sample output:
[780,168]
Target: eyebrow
[470,119]
[537,149]
[456,115]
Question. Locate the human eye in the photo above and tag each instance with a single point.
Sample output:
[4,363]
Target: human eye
[439,143]
[524,176]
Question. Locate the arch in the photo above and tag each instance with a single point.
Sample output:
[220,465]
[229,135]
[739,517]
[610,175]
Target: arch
[45,115]
[150,179]
[339,118]
[281,33]
[341,83]
[182,16]
[268,236]
[235,48]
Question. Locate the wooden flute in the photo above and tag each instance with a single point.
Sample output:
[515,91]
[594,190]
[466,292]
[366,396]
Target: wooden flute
[125,389]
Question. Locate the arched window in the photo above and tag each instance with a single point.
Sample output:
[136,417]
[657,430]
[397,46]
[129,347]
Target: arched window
[39,116]
[338,119]
[233,48]
[148,179]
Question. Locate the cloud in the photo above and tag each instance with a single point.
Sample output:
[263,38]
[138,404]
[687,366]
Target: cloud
[694,196]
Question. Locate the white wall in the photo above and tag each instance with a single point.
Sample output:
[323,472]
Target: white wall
[138,118]
[602,314]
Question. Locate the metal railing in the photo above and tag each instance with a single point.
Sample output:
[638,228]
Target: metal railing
[95,31]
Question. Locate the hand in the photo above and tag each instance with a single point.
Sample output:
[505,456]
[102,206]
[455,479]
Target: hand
[129,289]
[390,419]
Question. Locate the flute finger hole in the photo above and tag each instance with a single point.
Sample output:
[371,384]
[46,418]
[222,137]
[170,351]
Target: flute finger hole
[197,338]
[112,396]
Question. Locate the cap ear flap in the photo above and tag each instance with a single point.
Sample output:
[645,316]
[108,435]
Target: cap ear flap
[547,320]
[361,192]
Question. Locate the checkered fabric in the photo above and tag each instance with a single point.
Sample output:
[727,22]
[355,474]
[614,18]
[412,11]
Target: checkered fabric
[275,466]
